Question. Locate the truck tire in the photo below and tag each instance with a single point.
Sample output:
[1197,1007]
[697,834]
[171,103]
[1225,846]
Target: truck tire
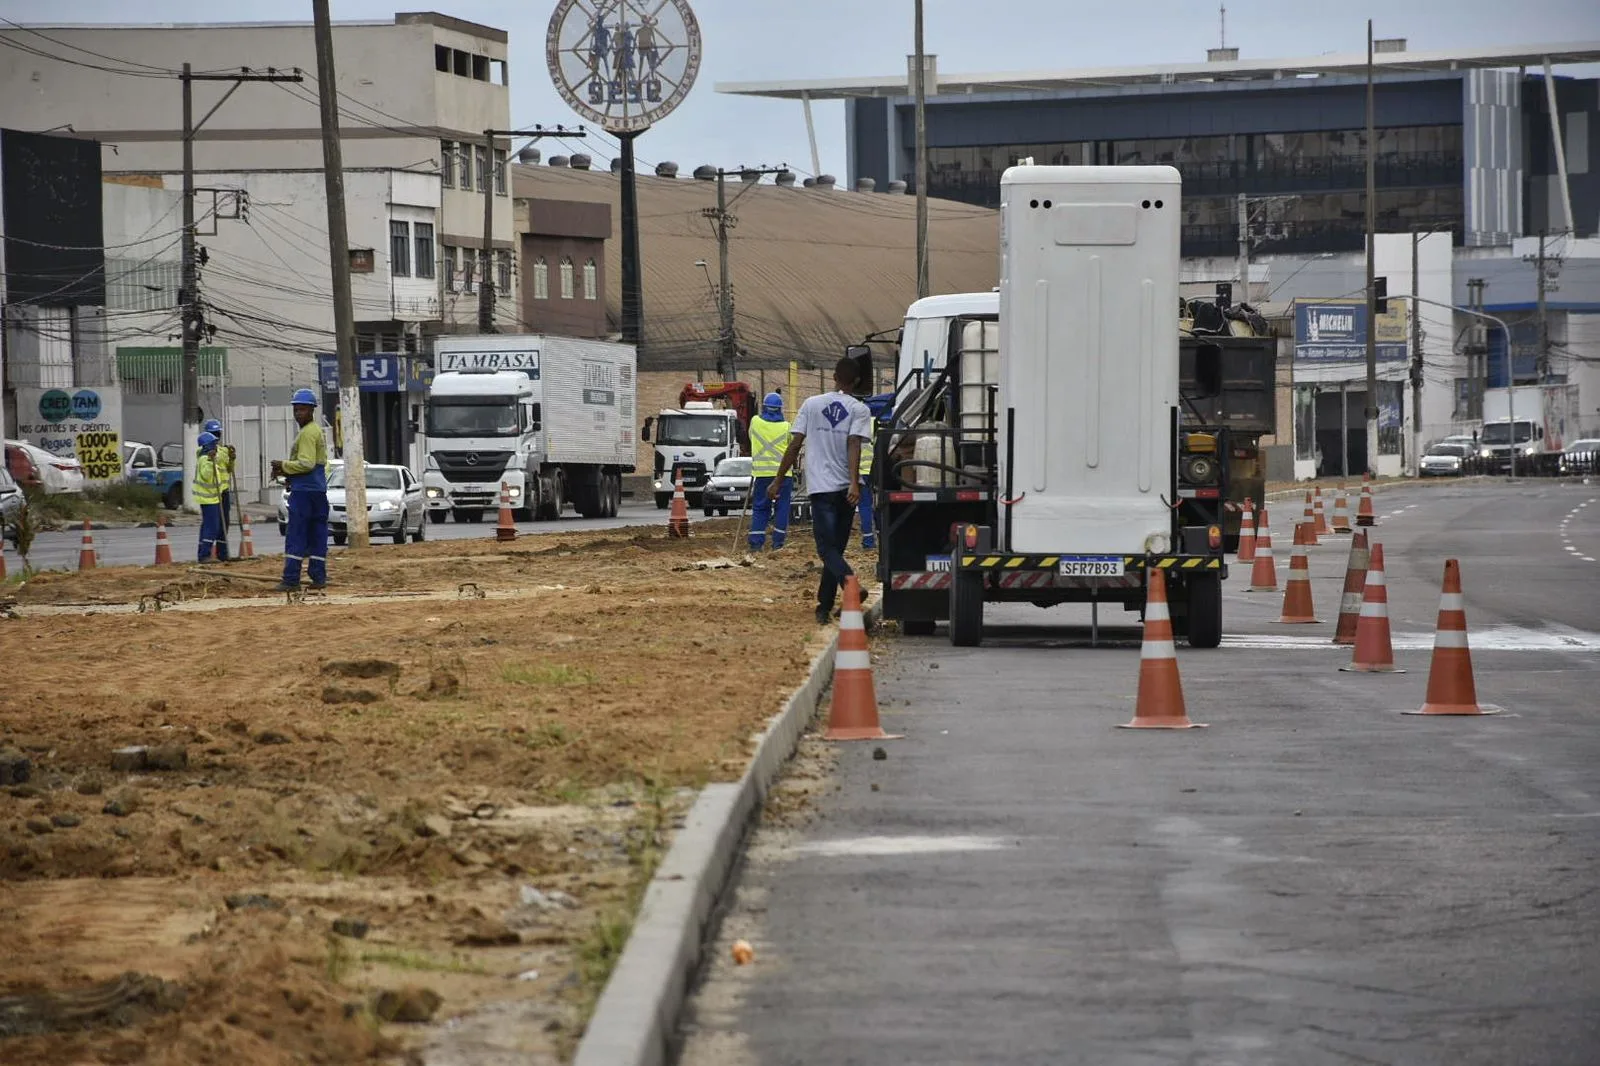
[588,494]
[173,498]
[1205,611]
[966,609]
[613,490]
[551,505]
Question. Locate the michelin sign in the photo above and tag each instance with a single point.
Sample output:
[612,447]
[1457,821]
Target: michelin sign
[1335,331]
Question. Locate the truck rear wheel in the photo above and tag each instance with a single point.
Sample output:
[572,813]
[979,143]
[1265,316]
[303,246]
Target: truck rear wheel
[966,609]
[173,499]
[1205,611]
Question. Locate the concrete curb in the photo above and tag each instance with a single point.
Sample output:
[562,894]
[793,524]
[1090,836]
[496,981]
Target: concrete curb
[637,1015]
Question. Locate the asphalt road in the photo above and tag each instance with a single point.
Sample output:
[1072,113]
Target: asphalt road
[123,547]
[1313,879]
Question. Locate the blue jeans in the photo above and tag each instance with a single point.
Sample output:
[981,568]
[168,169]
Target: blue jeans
[762,509]
[864,509]
[307,539]
[212,533]
[831,516]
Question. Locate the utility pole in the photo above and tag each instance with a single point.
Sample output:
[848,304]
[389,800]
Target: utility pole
[1477,354]
[192,310]
[1416,357]
[1372,303]
[722,221]
[921,89]
[1543,362]
[486,283]
[344,327]
[1244,247]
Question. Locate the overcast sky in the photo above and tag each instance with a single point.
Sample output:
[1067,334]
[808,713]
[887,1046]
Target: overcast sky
[770,40]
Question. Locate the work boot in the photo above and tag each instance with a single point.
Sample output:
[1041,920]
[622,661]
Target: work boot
[284,586]
[823,615]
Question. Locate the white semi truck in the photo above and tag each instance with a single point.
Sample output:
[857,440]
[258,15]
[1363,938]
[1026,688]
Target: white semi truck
[1525,428]
[550,418]
[1033,453]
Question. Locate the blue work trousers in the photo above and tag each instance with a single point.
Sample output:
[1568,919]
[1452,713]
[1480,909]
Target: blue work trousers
[864,509]
[763,510]
[831,516]
[213,535]
[307,539]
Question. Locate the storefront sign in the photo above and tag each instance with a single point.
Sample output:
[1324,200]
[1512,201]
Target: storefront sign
[1335,331]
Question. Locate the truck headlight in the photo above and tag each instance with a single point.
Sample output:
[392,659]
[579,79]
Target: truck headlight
[1532,449]
[1485,453]
[514,492]
[435,494]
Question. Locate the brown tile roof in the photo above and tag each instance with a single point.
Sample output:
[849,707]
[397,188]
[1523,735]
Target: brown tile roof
[811,270]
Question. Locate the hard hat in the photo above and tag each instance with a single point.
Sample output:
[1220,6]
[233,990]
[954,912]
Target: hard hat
[213,426]
[207,440]
[772,400]
[304,397]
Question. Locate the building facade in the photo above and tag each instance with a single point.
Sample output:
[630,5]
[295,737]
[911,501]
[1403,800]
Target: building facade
[563,263]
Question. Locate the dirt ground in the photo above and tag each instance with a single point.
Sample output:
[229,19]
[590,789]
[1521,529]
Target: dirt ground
[406,822]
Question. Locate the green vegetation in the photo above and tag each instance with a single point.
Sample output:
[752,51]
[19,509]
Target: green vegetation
[118,501]
[557,675]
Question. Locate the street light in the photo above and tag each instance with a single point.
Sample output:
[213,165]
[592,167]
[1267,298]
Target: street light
[723,326]
[1511,392]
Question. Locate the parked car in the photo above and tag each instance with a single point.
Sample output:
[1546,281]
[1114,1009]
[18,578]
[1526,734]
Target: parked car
[162,471]
[12,504]
[1581,457]
[1445,460]
[32,466]
[395,506]
[728,487]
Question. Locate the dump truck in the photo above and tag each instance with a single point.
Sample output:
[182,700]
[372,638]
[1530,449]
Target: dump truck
[1036,458]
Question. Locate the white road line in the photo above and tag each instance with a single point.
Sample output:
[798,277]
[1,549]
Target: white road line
[1487,638]
[911,845]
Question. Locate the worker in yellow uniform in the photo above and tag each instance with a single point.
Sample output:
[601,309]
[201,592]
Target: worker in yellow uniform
[306,471]
[769,439]
[227,458]
[208,496]
[869,538]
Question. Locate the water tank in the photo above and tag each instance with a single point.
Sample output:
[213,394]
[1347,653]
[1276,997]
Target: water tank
[581,161]
[529,154]
[808,183]
[557,161]
[897,188]
[616,165]
[749,177]
[865,184]
[666,170]
[706,172]
[826,181]
[785,178]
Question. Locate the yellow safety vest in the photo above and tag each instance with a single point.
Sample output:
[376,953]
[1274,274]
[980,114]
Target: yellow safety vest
[206,489]
[770,440]
[224,468]
[865,466]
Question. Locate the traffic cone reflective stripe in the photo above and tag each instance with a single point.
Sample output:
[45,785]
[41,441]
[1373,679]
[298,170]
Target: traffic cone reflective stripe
[1355,577]
[1159,704]
[1247,533]
[1341,511]
[853,715]
[506,528]
[1322,518]
[1374,651]
[1365,516]
[247,540]
[1264,575]
[1310,521]
[1297,593]
[1451,690]
[86,554]
[164,546]
[678,520]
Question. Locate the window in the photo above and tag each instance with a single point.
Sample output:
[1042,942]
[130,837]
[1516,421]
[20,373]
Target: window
[500,171]
[462,62]
[400,249]
[566,278]
[469,269]
[464,159]
[482,155]
[498,73]
[424,241]
[441,58]
[541,279]
[591,281]
[502,265]
[480,68]
[447,163]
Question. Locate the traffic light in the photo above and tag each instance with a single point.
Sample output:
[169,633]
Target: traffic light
[1380,296]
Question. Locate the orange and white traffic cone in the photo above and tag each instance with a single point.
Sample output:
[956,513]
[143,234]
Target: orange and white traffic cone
[506,528]
[1264,575]
[678,520]
[1374,651]
[1322,517]
[1159,704]
[247,540]
[1341,511]
[1297,592]
[854,712]
[1310,521]
[86,553]
[1247,533]
[163,545]
[1355,579]
[2,559]
[1365,516]
[1450,686]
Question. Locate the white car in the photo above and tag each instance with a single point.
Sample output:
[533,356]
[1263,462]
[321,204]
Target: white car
[1444,459]
[728,488]
[1581,457]
[394,504]
[55,473]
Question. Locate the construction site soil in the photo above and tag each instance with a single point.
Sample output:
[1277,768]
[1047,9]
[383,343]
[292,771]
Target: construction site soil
[408,821]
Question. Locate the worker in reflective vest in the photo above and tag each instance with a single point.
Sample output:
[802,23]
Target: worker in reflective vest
[869,538]
[208,496]
[306,471]
[769,439]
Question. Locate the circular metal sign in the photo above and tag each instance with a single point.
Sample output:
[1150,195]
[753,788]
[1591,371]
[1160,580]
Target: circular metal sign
[623,64]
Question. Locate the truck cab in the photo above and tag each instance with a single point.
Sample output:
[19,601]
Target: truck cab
[483,430]
[690,440]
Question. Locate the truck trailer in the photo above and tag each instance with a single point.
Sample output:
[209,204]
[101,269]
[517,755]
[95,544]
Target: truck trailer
[549,418]
[1039,461]
[1526,428]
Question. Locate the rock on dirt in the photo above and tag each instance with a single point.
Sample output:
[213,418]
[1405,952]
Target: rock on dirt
[364,669]
[122,803]
[137,758]
[410,1004]
[65,821]
[435,825]
[114,1004]
[333,694]
[252,901]
[14,767]
[354,928]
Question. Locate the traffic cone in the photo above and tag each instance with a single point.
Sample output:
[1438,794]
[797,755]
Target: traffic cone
[1341,511]
[247,540]
[163,545]
[1264,576]
[1355,578]
[506,528]
[1159,704]
[1374,652]
[2,560]
[1297,593]
[1322,517]
[854,712]
[1450,686]
[1310,521]
[678,520]
[86,556]
[1364,513]
[1247,533]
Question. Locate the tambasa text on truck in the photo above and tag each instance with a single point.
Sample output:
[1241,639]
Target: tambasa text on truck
[550,418]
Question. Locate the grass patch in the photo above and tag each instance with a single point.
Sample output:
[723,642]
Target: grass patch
[557,675]
[420,962]
[120,501]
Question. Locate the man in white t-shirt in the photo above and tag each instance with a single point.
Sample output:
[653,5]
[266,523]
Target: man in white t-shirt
[833,428]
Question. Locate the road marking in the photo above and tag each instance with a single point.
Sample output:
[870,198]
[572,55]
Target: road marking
[914,845]
[1488,638]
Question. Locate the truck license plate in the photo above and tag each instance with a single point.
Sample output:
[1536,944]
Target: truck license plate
[1091,566]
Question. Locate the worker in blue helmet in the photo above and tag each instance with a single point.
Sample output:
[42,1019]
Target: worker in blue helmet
[208,495]
[769,439]
[306,471]
[227,458]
